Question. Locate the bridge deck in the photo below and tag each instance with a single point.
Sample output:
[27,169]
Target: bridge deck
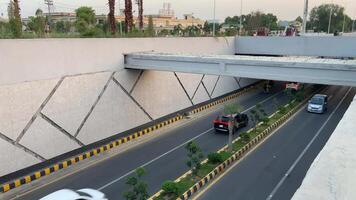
[300,69]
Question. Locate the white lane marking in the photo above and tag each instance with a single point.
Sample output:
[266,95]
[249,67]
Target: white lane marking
[306,149]
[144,165]
[177,147]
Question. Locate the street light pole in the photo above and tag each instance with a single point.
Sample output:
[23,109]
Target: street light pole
[240,29]
[214,19]
[353,25]
[343,23]
[331,11]
[305,16]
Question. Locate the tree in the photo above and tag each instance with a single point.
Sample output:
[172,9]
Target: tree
[258,114]
[62,26]
[111,16]
[38,23]
[192,30]
[85,19]
[177,30]
[139,189]
[15,23]
[230,110]
[140,13]
[319,18]
[299,19]
[104,26]
[195,156]
[258,19]
[128,16]
[150,29]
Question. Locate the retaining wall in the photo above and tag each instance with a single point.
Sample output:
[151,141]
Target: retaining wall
[62,94]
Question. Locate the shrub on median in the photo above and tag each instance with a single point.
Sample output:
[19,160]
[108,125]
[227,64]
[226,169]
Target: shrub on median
[170,188]
[215,158]
[245,137]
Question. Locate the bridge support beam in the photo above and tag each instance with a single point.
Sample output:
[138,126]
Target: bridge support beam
[299,69]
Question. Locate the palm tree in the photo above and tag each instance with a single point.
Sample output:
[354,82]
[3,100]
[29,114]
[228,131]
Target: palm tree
[128,15]
[15,20]
[111,16]
[140,13]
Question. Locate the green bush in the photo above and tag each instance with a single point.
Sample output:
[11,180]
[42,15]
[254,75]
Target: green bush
[92,32]
[282,109]
[266,120]
[245,137]
[170,187]
[215,158]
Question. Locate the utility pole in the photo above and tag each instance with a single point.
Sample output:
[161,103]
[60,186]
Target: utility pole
[331,11]
[305,17]
[343,23]
[353,25]
[49,4]
[214,19]
[240,28]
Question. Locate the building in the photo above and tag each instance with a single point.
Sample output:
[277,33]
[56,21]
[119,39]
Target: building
[61,16]
[166,20]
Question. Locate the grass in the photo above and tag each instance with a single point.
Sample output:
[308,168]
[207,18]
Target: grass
[206,169]
[185,184]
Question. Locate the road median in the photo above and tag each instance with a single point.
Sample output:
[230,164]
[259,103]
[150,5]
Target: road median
[188,184]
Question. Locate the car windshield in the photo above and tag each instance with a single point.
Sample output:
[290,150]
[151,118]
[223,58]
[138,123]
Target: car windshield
[317,100]
[83,194]
[224,119]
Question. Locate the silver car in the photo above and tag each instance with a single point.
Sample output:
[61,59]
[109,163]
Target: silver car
[318,103]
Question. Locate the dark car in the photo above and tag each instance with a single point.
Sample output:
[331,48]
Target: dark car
[221,124]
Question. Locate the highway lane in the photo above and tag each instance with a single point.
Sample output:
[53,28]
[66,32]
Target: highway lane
[291,149]
[163,157]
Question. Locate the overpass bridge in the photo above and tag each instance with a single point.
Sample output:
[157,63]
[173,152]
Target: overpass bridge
[320,60]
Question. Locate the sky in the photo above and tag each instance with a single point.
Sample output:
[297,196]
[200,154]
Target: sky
[284,9]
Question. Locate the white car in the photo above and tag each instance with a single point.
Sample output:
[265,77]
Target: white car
[83,194]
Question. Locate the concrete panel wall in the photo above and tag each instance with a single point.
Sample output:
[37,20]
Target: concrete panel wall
[74,109]
[298,46]
[60,57]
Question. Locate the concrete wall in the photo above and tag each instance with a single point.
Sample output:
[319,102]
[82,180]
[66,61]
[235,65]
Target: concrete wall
[28,60]
[298,46]
[49,106]
[332,174]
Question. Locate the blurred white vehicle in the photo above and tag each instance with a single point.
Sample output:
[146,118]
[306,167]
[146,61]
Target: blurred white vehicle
[83,194]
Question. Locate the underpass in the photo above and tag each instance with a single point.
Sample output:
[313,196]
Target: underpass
[276,168]
[163,157]
[168,147]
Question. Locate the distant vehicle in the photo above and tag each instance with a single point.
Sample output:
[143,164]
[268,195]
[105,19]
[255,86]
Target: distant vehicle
[318,103]
[294,86]
[290,31]
[83,194]
[221,124]
[268,85]
[262,31]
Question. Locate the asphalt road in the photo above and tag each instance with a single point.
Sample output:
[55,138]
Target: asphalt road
[261,174]
[163,157]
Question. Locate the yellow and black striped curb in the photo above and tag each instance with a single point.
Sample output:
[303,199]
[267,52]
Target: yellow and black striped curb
[239,154]
[62,165]
[223,100]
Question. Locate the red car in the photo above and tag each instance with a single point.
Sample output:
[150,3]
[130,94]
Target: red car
[221,124]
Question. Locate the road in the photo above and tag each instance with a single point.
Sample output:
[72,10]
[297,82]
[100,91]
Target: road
[163,157]
[291,150]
